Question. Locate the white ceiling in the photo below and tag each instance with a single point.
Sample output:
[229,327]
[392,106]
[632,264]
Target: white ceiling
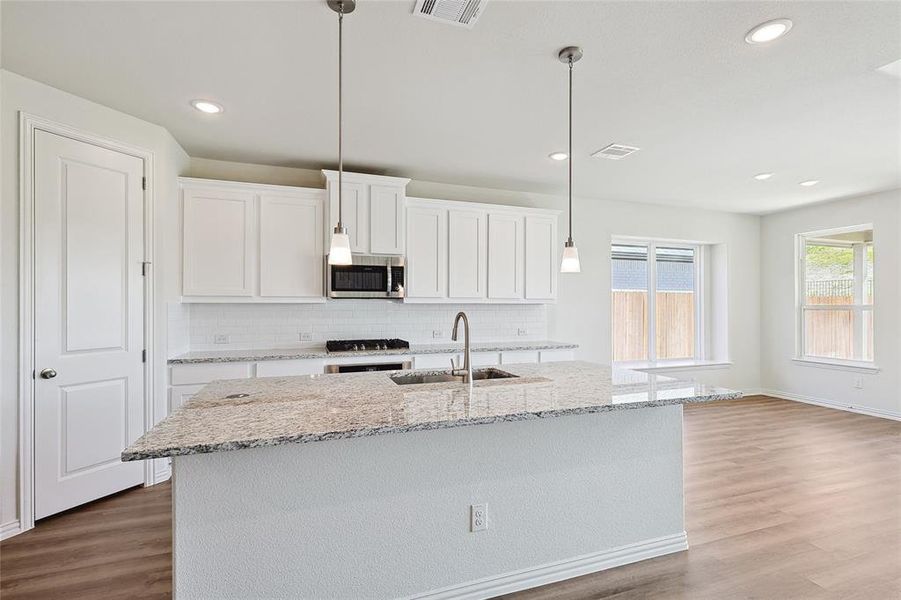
[485,107]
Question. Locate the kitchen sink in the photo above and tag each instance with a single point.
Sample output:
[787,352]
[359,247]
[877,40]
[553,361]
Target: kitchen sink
[448,377]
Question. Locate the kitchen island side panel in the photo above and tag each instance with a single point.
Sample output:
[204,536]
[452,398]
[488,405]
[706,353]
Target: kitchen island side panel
[389,516]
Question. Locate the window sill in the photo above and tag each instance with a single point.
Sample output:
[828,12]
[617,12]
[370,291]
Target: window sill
[838,365]
[674,366]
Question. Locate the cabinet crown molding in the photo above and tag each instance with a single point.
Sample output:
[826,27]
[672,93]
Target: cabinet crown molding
[332,176]
[484,206]
[190,182]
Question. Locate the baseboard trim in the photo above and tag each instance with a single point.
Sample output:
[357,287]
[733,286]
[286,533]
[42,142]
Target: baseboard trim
[558,571]
[861,410]
[8,530]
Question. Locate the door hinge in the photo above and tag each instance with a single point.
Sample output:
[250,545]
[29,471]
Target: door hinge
[144,266]
[143,356]
[143,183]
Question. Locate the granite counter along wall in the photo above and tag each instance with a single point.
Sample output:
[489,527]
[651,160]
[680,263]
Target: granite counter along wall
[281,325]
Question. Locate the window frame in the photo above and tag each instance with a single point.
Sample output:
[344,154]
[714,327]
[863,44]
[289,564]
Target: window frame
[699,285]
[857,308]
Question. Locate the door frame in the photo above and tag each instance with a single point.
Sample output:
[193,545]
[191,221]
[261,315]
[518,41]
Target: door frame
[29,124]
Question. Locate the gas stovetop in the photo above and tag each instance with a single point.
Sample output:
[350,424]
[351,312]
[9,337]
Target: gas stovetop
[356,345]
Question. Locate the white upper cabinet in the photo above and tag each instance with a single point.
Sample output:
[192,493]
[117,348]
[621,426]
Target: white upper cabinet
[468,251]
[252,243]
[464,251]
[218,241]
[291,260]
[506,262]
[541,257]
[372,211]
[426,263]
[386,219]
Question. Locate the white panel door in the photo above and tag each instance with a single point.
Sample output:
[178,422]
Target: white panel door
[218,242]
[505,256]
[89,321]
[291,261]
[355,214]
[426,270]
[386,219]
[468,249]
[541,257]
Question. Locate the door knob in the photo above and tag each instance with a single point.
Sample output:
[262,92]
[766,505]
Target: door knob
[48,374]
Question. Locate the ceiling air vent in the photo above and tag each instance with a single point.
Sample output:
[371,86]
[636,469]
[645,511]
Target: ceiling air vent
[464,13]
[616,151]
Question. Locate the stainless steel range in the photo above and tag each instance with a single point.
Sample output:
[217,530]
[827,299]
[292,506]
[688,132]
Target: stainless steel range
[348,347]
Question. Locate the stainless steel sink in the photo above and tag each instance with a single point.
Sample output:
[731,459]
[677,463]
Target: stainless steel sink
[447,376]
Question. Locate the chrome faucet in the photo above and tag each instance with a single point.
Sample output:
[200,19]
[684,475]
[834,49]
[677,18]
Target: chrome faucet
[467,363]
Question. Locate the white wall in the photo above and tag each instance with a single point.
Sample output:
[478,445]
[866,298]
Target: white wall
[18,93]
[881,391]
[582,313]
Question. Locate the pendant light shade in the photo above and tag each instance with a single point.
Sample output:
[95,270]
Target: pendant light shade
[339,249]
[570,262]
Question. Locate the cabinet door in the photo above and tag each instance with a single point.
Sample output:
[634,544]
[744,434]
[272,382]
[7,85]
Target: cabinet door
[386,219]
[505,255]
[426,271]
[218,242]
[467,245]
[541,257]
[291,260]
[355,214]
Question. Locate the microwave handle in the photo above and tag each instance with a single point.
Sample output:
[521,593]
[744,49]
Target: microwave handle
[388,278]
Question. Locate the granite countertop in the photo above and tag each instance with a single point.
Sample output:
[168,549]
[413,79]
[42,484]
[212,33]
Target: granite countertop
[215,356]
[314,408]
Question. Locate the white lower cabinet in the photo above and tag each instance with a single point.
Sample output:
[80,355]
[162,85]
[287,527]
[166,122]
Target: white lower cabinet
[547,356]
[519,357]
[435,361]
[290,368]
[179,394]
[486,359]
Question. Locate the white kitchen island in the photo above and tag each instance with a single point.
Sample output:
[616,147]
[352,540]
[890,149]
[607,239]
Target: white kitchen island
[352,486]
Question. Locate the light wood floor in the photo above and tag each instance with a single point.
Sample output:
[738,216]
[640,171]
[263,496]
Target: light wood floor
[783,501]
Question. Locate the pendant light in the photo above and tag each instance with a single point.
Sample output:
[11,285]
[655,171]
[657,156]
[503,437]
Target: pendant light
[339,250]
[570,262]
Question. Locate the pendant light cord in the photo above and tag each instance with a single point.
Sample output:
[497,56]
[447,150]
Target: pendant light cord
[340,106]
[570,161]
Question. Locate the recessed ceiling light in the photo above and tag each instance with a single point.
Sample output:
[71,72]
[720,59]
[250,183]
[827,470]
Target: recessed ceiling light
[769,31]
[809,182]
[558,155]
[205,106]
[763,176]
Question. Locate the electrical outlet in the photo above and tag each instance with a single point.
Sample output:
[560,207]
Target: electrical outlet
[220,339]
[437,333]
[478,517]
[521,331]
[306,336]
[858,382]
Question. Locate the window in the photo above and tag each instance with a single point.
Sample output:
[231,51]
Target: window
[836,292]
[656,308]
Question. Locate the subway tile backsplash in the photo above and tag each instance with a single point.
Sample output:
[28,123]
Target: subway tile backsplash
[227,326]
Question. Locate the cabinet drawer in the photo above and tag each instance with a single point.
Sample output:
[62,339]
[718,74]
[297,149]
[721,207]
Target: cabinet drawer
[434,361]
[486,359]
[557,355]
[207,372]
[519,356]
[179,394]
[288,368]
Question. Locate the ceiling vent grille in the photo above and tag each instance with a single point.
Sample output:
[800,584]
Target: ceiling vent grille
[615,151]
[463,13]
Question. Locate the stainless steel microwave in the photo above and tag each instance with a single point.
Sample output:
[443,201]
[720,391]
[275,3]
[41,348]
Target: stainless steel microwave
[367,277]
